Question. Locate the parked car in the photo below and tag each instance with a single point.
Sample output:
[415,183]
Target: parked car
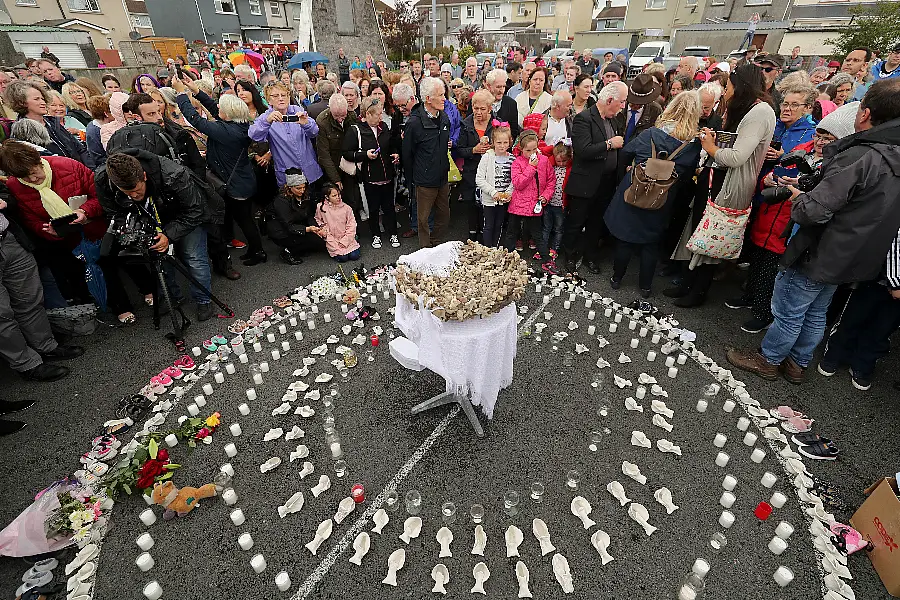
[645,53]
[701,51]
[560,53]
[483,56]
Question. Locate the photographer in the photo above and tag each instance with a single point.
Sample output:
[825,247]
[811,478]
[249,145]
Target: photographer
[847,224]
[169,202]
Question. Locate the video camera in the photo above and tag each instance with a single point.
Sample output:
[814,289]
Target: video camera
[134,231]
[809,177]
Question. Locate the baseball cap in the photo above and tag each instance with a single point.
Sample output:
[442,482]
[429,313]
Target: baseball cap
[723,66]
[776,60]
[163,73]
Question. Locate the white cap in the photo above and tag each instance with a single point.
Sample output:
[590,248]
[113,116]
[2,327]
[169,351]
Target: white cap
[446,67]
[724,67]
[840,122]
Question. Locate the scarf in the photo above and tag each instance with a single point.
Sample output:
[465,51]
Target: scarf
[55,206]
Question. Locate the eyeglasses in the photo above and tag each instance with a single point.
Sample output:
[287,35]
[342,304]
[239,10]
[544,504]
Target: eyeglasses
[823,138]
[793,105]
[455,87]
[403,65]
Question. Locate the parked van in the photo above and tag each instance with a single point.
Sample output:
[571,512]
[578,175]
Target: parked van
[644,54]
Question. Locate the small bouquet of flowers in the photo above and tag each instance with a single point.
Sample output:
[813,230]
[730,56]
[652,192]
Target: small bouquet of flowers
[79,511]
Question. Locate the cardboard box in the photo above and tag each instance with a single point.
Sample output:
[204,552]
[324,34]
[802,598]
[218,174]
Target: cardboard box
[878,520]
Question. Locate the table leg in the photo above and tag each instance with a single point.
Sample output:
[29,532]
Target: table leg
[451,398]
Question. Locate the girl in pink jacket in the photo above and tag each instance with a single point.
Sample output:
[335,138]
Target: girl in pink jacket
[337,225]
[533,180]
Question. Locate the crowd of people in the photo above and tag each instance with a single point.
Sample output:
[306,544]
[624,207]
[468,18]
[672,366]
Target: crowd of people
[694,170]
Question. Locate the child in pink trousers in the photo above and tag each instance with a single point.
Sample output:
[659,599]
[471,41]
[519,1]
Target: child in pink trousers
[534,181]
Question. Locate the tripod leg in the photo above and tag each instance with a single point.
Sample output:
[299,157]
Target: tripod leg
[177,334]
[182,268]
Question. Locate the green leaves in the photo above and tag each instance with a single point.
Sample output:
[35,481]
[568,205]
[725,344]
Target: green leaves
[153,448]
[877,28]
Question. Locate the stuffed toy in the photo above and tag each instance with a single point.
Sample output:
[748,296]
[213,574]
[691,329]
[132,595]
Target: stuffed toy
[180,501]
[351,296]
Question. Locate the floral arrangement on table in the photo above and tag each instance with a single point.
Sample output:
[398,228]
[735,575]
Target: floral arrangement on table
[482,281]
[149,463]
[80,509]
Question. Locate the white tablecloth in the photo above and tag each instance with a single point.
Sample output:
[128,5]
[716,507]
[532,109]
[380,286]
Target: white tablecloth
[475,357]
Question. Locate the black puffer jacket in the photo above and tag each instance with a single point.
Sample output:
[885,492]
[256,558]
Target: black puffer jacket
[381,168]
[425,145]
[287,218]
[849,220]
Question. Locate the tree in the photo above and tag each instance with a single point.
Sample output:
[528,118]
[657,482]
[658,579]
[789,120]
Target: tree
[401,26]
[470,35]
[875,28]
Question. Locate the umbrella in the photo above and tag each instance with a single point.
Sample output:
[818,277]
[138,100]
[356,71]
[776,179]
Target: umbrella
[298,60]
[242,55]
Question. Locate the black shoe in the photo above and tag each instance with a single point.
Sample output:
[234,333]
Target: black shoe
[63,353]
[675,292]
[231,274]
[204,311]
[15,406]
[739,303]
[289,258]
[254,258]
[690,300]
[646,294]
[593,267]
[755,325]
[614,284]
[45,372]
[10,427]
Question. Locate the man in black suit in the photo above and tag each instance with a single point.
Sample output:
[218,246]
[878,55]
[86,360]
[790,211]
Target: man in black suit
[592,181]
[504,107]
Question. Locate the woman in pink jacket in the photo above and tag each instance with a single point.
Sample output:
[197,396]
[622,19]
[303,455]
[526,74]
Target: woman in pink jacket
[337,225]
[534,180]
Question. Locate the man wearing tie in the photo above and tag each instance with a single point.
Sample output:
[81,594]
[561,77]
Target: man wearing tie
[643,109]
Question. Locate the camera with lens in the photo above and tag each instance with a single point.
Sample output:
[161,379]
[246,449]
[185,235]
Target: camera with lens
[808,179]
[133,232]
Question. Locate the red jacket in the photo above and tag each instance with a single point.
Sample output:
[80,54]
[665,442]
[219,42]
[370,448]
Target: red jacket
[772,219]
[70,178]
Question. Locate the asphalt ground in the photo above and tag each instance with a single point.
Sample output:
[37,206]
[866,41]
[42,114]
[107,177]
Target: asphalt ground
[539,432]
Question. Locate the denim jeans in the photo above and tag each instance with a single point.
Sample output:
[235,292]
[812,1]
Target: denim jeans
[191,250]
[553,224]
[342,258]
[799,305]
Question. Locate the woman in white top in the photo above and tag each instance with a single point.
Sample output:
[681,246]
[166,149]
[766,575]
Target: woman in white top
[536,97]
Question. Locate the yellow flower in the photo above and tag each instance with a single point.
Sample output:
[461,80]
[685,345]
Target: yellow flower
[213,420]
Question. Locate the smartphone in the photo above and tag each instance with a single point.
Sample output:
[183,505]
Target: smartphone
[179,72]
[377,151]
[290,119]
[63,225]
[775,145]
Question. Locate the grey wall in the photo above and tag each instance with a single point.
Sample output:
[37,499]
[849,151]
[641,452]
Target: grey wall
[364,38]
[722,42]
[736,11]
[178,18]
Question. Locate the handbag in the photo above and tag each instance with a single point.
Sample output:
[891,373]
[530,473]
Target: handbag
[348,167]
[720,233]
[652,179]
[455,175]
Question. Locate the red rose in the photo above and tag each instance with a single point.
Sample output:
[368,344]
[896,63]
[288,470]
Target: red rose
[202,433]
[162,455]
[145,481]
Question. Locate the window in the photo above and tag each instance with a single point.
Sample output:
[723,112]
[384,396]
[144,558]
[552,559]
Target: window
[470,11]
[656,4]
[84,5]
[614,24]
[690,3]
[255,8]
[230,37]
[758,2]
[275,9]
[521,12]
[491,11]
[225,7]
[26,2]
[141,21]
[547,8]
[454,12]
[276,38]
[432,16]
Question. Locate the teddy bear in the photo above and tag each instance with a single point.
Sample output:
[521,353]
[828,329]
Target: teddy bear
[179,501]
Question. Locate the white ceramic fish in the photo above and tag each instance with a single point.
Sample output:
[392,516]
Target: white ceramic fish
[665,445]
[480,541]
[294,433]
[600,542]
[659,407]
[581,508]
[540,531]
[412,527]
[304,411]
[441,577]
[664,496]
[323,485]
[323,532]
[638,438]
[660,421]
[345,507]
[270,464]
[633,471]
[380,518]
[307,469]
[481,573]
[618,492]
[563,574]
[332,339]
[514,538]
[638,512]
[522,576]
[282,409]
[395,562]
[293,504]
[444,539]
[621,382]
[324,377]
[361,544]
[632,404]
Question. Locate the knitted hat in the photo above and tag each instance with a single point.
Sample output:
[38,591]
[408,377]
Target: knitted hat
[294,179]
[533,122]
[840,122]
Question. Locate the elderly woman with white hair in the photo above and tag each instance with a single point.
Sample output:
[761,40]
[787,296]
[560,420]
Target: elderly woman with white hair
[503,108]
[227,142]
[350,92]
[334,123]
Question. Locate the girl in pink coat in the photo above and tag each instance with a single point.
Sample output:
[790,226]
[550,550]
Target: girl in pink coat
[337,225]
[534,180]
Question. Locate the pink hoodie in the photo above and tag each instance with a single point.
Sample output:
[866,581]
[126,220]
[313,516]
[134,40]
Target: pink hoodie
[341,224]
[525,185]
[115,109]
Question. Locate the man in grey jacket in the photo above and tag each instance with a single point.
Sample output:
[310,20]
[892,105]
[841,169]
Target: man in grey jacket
[847,225]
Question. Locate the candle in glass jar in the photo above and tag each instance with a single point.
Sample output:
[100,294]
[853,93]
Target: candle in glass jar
[229,368]
[682,359]
[311,324]
[655,338]
[591,330]
[632,325]
[612,327]
[229,497]
[219,377]
[651,356]
[208,389]
[757,455]
[145,541]
[778,500]
[293,321]
[567,305]
[171,440]
[335,448]
[264,367]
[193,409]
[282,581]
[196,351]
[634,342]
[750,438]
[743,424]
[153,591]
[673,372]
[298,335]
[358,493]
[784,530]
[727,499]
[235,429]
[722,459]
[643,332]
[257,347]
[700,567]
[230,450]
[282,329]
[591,315]
[327,316]
[777,546]
[258,563]
[670,361]
[729,483]
[228,469]
[728,406]
[783,576]
[618,318]
[726,519]
[702,405]
[768,480]
[244,359]
[607,312]
[588,303]
[285,346]
[315,309]
[251,394]
[271,336]
[719,441]
[276,355]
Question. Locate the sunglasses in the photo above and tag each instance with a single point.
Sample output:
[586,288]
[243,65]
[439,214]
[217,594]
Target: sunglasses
[766,69]
[455,87]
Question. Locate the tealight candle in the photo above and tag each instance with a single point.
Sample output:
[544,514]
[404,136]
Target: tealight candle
[230,497]
[567,305]
[722,459]
[245,541]
[327,316]
[230,450]
[588,303]
[219,377]
[271,336]
[783,576]
[148,517]
[728,406]
[768,480]
[743,424]
[276,355]
[612,327]
[315,309]
[719,441]
[673,372]
[591,330]
[244,359]
[251,394]
[700,567]
[640,392]
[750,438]
[651,356]
[682,359]
[153,591]
[193,409]
[655,338]
[285,346]
[293,321]
[729,483]
[237,517]
[634,342]
[572,297]
[591,315]
[257,347]
[235,429]
[702,405]
[618,318]
[208,389]
[228,469]
[229,368]
[784,530]
[282,581]
[607,312]
[632,325]
[670,361]
[643,332]
[298,335]
[311,324]
[258,563]
[778,500]
[172,439]
[196,351]
[264,367]
[757,455]
[145,541]
[726,519]
[282,329]
[777,545]
[727,499]
[145,562]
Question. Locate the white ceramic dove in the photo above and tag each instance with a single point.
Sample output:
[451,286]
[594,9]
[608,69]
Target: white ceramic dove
[563,574]
[638,438]
[664,496]
[307,469]
[269,464]
[332,339]
[324,484]
[513,537]
[623,358]
[632,404]
[638,512]
[301,452]
[380,518]
[312,395]
[621,382]
[345,507]
[633,471]
[665,445]
[660,421]
[283,409]
[522,576]
[603,342]
[289,396]
[320,350]
[480,541]
[304,411]
[346,329]
[323,532]
[324,377]
[481,574]
[540,531]
[600,542]
[618,492]
[294,433]
[361,544]
[573,325]
[602,363]
[293,504]
[395,562]
[581,508]
[657,390]
[444,539]
[580,348]
[441,576]
[659,407]
[412,527]
[645,379]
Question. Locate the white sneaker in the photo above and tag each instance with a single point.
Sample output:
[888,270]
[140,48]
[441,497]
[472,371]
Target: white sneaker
[376,242]
[395,242]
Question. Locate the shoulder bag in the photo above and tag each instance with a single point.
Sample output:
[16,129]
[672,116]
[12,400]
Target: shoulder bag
[348,167]
[652,179]
[720,233]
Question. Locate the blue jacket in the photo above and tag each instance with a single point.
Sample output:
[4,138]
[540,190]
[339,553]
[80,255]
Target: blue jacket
[455,122]
[799,133]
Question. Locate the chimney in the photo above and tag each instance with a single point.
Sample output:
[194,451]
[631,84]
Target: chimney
[608,3]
